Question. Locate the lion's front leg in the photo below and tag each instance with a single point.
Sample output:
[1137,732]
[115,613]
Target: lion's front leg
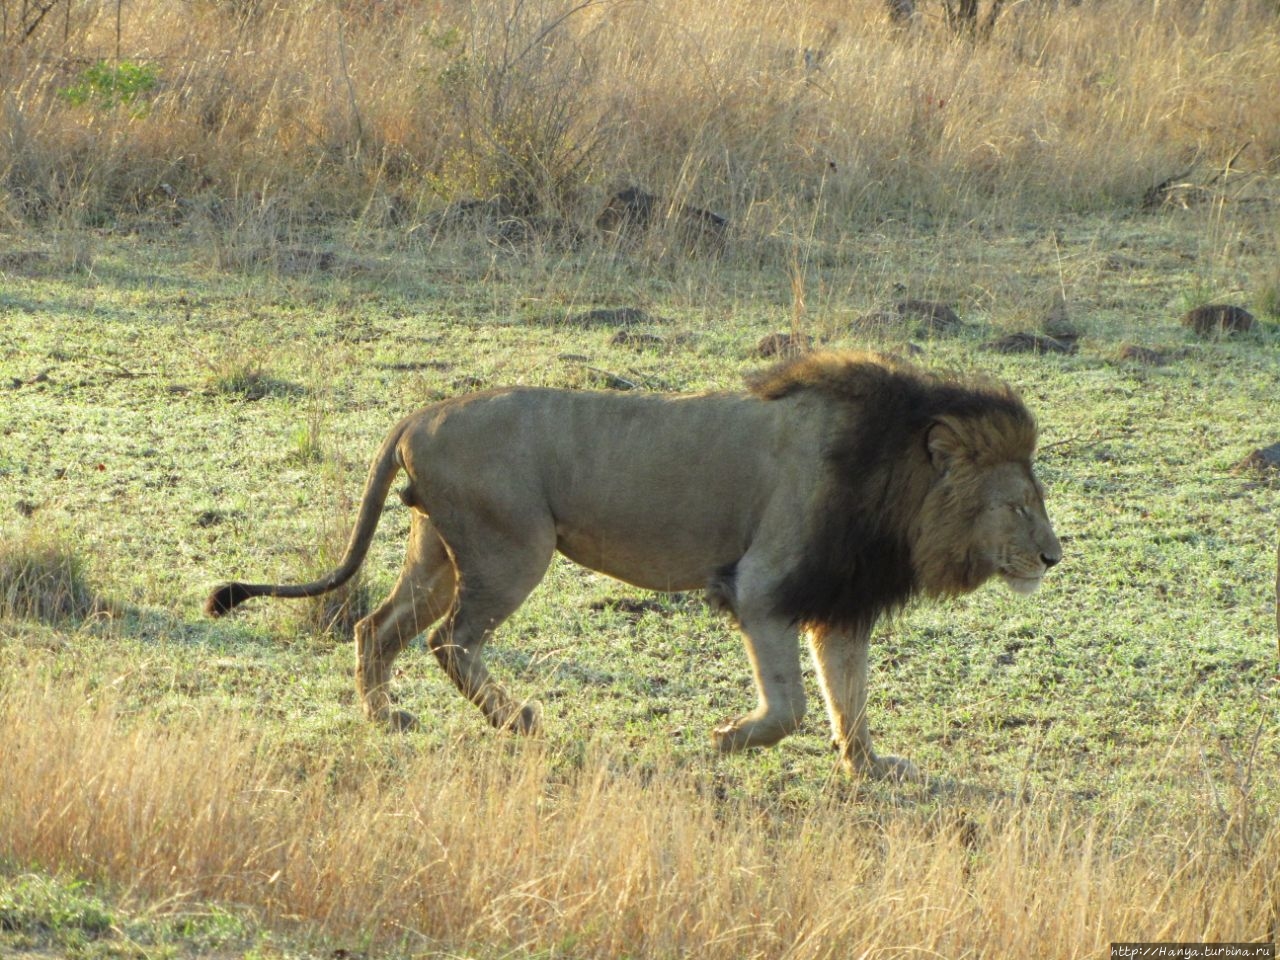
[773,645]
[841,661]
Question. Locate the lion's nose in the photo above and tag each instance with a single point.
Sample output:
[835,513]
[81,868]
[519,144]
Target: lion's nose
[1050,559]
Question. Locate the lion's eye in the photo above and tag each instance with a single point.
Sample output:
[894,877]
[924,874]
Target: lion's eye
[1021,510]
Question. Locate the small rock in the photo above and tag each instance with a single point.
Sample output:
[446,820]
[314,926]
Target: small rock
[41,377]
[1262,459]
[634,338]
[1214,319]
[935,317]
[783,344]
[1119,262]
[610,317]
[633,211]
[1031,343]
[629,208]
[1146,356]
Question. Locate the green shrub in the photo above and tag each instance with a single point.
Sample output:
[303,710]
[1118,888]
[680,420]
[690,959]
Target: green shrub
[105,86]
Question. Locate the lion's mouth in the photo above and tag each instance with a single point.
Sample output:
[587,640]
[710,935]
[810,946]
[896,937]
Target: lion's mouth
[1019,583]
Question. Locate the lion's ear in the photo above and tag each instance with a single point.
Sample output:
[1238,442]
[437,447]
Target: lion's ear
[945,446]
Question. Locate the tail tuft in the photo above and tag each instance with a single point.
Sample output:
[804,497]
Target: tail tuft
[226,598]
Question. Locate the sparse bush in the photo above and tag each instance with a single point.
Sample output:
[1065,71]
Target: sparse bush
[519,89]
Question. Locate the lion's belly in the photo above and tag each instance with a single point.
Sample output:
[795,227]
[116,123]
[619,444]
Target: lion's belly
[653,563]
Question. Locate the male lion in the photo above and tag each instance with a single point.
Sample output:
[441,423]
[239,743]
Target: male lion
[835,490]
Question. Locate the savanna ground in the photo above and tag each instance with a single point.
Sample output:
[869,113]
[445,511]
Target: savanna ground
[231,255]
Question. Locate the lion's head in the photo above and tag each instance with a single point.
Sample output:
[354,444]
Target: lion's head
[929,489]
[984,515]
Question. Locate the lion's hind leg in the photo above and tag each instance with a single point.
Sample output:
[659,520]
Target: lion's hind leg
[497,570]
[422,595]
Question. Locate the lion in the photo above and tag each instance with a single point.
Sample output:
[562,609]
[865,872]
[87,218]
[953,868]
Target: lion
[835,489]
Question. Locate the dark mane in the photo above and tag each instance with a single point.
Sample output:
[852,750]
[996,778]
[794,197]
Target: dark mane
[867,540]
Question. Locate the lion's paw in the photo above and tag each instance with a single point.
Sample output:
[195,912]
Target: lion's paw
[728,736]
[527,721]
[895,770]
[401,721]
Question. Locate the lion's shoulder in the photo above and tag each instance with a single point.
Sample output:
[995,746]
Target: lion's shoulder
[867,550]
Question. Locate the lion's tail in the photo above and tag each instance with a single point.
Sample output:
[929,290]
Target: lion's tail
[382,472]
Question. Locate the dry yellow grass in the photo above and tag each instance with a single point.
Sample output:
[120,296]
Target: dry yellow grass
[756,109]
[499,847]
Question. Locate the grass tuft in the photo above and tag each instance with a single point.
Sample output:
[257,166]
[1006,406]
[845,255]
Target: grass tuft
[43,577]
[335,613]
[1268,295]
[243,375]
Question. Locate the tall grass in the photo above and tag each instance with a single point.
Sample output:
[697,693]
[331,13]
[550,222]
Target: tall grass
[493,848]
[755,109]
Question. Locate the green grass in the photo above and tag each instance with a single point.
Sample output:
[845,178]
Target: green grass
[42,916]
[179,425]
